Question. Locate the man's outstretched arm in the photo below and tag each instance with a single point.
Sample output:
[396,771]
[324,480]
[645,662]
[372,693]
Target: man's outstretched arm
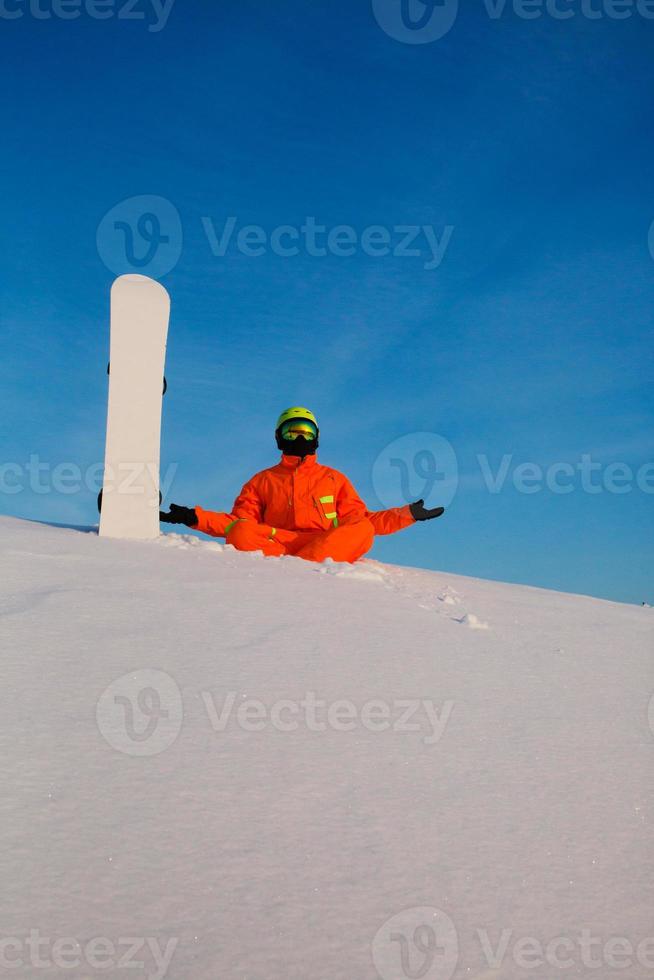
[247,506]
[214,523]
[397,518]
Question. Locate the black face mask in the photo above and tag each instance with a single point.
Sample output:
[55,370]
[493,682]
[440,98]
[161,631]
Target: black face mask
[297,447]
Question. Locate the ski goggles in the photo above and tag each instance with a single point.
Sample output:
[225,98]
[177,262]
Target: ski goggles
[294,428]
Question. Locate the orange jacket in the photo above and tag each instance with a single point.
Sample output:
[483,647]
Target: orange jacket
[301,495]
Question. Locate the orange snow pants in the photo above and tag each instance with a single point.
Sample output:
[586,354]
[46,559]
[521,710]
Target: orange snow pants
[348,542]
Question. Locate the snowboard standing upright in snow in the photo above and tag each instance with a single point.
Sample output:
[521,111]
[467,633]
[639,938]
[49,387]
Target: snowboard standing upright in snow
[140,309]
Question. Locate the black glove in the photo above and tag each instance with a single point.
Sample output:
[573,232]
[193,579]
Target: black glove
[179,515]
[420,513]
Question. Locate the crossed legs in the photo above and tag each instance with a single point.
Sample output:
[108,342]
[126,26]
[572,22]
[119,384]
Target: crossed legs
[345,543]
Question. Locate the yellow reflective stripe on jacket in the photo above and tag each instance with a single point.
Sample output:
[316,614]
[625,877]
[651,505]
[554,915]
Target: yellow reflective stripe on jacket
[330,515]
[328,499]
[230,526]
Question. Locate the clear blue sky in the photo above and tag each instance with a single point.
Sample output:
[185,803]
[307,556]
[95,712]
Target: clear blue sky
[531,139]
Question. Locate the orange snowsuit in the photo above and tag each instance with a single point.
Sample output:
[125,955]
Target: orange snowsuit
[302,508]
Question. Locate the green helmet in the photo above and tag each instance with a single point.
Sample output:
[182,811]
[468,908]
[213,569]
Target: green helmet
[296,412]
[300,440]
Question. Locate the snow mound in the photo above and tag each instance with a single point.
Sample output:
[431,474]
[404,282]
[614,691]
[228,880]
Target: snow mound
[270,769]
[471,620]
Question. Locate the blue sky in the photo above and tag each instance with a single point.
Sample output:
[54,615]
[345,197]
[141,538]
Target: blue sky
[527,143]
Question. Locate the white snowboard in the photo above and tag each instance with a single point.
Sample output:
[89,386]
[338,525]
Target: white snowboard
[140,308]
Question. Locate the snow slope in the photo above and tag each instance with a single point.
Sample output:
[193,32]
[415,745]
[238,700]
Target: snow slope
[208,752]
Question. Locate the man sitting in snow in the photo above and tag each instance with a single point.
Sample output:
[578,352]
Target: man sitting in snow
[300,507]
